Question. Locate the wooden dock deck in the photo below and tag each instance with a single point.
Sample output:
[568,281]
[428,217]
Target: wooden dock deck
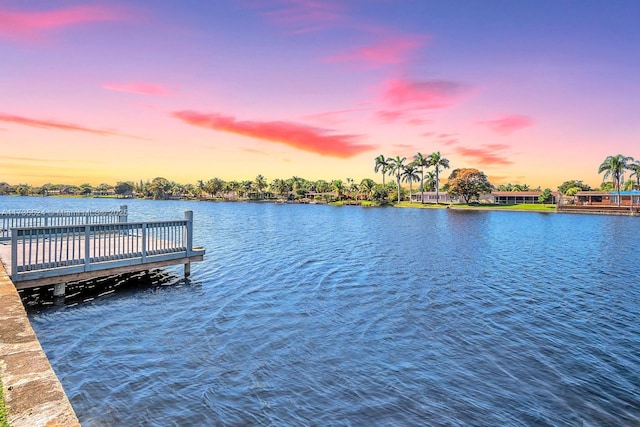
[45,255]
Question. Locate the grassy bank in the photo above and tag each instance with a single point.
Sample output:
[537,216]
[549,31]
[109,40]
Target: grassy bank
[482,206]
[4,413]
[522,207]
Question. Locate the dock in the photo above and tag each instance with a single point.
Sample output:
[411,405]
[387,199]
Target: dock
[44,248]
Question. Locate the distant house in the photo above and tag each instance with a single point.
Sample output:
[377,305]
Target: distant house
[430,197]
[104,193]
[518,197]
[496,197]
[606,198]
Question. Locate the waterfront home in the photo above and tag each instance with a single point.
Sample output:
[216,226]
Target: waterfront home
[607,198]
[430,197]
[496,197]
[517,197]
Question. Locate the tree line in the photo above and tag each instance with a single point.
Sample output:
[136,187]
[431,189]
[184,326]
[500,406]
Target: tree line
[467,183]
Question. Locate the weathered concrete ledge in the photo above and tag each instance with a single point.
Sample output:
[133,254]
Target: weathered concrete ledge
[32,391]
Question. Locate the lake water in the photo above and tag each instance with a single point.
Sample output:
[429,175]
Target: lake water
[320,315]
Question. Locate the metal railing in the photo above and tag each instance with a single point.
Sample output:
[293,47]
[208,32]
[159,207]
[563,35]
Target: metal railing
[38,218]
[38,252]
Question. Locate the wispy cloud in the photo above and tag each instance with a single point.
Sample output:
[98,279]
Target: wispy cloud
[303,16]
[388,51]
[506,124]
[426,94]
[487,154]
[51,124]
[446,139]
[391,116]
[31,25]
[407,116]
[296,135]
[140,88]
[334,117]
[418,121]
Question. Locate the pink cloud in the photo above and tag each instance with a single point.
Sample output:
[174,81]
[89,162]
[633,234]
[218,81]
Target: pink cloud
[506,124]
[295,135]
[46,124]
[390,116]
[303,16]
[428,94]
[406,116]
[50,124]
[29,25]
[389,51]
[448,142]
[140,88]
[486,154]
[333,117]
[418,122]
[446,139]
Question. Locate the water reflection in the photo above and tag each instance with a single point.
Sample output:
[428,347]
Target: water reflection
[125,285]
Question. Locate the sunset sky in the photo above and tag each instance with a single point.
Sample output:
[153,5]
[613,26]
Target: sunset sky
[535,92]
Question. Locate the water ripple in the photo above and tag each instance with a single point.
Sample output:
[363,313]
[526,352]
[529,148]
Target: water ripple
[313,315]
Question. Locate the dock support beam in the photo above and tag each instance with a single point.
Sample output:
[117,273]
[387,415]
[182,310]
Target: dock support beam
[58,293]
[187,270]
[59,289]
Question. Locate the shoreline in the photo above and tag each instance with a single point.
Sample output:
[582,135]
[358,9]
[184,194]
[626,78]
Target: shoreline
[539,208]
[32,392]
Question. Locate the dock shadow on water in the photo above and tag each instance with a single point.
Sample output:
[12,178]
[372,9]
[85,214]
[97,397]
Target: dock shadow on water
[42,298]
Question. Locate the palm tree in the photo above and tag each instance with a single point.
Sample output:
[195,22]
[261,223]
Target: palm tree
[422,162]
[260,184]
[430,179]
[382,164]
[635,168]
[396,167]
[352,188]
[614,166]
[366,186]
[439,163]
[338,185]
[410,175]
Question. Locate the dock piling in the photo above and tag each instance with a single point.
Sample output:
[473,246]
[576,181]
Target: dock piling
[59,290]
[187,270]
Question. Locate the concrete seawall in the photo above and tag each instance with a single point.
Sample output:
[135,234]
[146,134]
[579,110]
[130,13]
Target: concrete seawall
[32,392]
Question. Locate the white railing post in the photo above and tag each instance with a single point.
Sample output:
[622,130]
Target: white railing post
[14,254]
[188,215]
[144,242]
[87,247]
